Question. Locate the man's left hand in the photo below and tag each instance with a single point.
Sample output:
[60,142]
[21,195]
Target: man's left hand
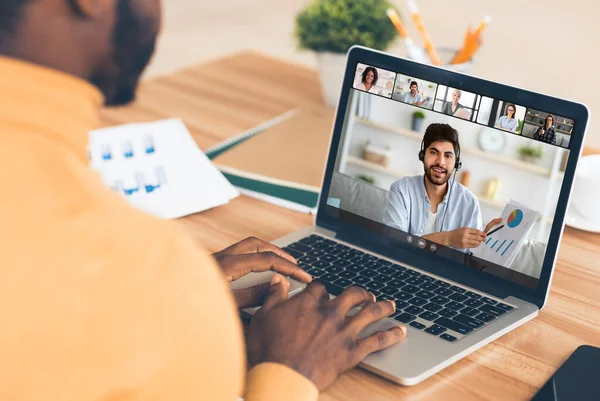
[255,255]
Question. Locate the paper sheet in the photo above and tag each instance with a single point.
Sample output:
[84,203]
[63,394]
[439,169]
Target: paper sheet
[158,168]
[503,246]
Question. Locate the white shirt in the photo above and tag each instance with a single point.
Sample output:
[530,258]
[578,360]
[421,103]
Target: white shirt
[430,225]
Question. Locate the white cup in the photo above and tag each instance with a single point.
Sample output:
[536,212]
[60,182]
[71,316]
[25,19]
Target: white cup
[586,190]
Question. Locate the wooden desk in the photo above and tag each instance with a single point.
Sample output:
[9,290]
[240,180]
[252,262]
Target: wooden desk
[236,93]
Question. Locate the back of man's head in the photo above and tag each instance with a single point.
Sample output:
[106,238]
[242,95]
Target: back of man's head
[106,42]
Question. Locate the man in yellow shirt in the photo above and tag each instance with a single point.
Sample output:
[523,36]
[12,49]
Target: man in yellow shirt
[102,302]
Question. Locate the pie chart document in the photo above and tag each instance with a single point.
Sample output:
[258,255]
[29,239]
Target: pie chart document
[503,246]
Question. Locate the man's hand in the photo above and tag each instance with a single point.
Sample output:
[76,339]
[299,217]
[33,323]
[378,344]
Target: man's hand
[255,255]
[491,225]
[465,238]
[313,335]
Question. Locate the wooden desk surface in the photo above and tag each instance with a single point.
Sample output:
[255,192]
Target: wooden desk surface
[236,93]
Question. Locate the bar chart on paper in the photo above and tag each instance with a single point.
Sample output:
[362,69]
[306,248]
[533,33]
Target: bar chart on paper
[504,242]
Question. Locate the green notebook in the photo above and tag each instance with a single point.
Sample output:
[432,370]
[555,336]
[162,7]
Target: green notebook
[282,161]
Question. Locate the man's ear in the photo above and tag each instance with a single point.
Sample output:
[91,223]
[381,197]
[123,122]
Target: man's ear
[90,8]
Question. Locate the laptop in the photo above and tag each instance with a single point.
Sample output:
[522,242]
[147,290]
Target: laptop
[376,227]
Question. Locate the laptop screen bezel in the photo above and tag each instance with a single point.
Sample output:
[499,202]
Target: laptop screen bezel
[433,263]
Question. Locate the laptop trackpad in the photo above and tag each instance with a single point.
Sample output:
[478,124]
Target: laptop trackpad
[253,279]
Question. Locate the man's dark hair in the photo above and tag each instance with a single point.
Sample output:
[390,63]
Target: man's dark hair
[366,71]
[415,84]
[10,13]
[441,133]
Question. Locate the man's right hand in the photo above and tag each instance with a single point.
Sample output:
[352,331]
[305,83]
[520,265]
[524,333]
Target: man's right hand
[313,335]
[465,238]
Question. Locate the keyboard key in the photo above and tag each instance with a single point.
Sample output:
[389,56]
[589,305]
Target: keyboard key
[294,253]
[343,282]
[299,247]
[375,285]
[432,307]
[473,303]
[387,270]
[329,277]
[413,272]
[427,278]
[485,317]
[428,316]
[329,242]
[329,258]
[349,266]
[347,275]
[316,272]
[489,301]
[361,280]
[385,297]
[473,295]
[384,262]
[468,321]
[440,300]
[308,240]
[401,305]
[405,317]
[460,290]
[415,281]
[359,260]
[401,276]
[429,286]
[398,268]
[320,246]
[315,253]
[389,290]
[371,258]
[454,326]
[418,302]
[435,329]
[403,296]
[414,310]
[505,307]
[321,264]
[425,294]
[383,278]
[470,312]
[374,292]
[372,265]
[331,288]
[343,247]
[447,313]
[454,305]
[396,283]
[369,273]
[307,259]
[316,237]
[492,310]
[444,292]
[458,297]
[443,284]
[346,255]
[448,337]
[418,325]
[411,289]
[332,269]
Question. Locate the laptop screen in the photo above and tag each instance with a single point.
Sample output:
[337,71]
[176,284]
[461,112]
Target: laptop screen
[468,177]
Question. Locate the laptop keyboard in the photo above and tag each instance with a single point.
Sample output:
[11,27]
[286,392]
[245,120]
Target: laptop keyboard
[435,306]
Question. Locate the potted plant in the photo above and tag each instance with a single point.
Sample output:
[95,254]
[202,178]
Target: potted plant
[530,154]
[366,178]
[417,120]
[331,27]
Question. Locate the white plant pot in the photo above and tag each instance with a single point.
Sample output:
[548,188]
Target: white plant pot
[331,68]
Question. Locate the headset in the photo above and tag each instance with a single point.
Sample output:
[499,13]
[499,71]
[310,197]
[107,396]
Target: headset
[457,166]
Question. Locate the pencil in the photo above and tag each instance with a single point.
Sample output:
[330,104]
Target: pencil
[472,45]
[494,230]
[427,43]
[461,53]
[414,52]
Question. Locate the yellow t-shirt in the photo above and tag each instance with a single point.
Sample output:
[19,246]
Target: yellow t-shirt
[99,301]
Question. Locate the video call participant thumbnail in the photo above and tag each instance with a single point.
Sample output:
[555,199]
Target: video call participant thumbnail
[508,122]
[369,80]
[413,97]
[547,132]
[430,205]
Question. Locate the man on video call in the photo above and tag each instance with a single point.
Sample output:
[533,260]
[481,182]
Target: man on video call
[431,205]
[413,96]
